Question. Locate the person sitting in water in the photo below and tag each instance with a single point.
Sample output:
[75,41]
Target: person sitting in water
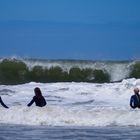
[135,99]
[2,103]
[38,98]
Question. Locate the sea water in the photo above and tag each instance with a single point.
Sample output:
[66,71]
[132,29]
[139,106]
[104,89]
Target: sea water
[73,111]
[10,132]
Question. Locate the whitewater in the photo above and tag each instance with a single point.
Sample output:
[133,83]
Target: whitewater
[71,104]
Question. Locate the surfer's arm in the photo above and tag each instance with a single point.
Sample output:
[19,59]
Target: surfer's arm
[32,101]
[132,102]
[2,103]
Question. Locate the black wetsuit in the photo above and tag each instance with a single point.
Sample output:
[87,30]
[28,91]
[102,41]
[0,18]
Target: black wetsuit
[2,103]
[135,101]
[39,101]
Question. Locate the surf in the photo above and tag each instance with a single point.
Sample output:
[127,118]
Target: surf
[63,116]
[21,71]
[71,104]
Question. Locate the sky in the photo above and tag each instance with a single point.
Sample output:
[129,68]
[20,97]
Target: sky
[70,29]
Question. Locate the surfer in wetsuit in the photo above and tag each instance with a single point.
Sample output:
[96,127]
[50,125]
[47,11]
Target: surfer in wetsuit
[2,103]
[38,98]
[135,99]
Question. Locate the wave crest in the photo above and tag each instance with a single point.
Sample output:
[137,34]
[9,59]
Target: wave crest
[18,71]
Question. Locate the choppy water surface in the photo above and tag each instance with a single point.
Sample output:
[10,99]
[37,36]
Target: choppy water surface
[8,132]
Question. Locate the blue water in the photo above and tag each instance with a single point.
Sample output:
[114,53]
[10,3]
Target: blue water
[19,132]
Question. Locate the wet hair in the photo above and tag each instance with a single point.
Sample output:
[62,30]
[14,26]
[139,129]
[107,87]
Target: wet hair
[38,92]
[136,90]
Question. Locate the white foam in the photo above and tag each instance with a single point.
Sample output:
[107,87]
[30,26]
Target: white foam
[61,116]
[78,104]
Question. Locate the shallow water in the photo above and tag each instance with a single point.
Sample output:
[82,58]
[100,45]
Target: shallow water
[20,132]
[71,104]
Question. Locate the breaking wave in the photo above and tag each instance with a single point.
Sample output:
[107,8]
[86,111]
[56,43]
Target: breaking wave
[19,71]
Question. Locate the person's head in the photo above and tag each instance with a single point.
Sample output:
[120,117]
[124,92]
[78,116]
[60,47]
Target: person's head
[37,92]
[136,90]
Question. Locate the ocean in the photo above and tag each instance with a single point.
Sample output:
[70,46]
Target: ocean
[10,132]
[75,109]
